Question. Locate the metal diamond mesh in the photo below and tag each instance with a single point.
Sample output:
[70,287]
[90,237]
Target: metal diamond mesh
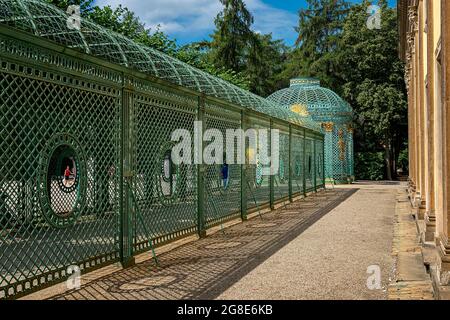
[258,184]
[320,174]
[86,170]
[36,107]
[47,21]
[282,178]
[327,108]
[340,165]
[166,193]
[223,196]
[309,164]
[297,161]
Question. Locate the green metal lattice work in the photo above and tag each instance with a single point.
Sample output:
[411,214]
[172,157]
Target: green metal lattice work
[47,21]
[112,125]
[306,97]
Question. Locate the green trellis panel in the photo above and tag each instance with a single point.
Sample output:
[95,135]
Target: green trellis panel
[223,202]
[297,161]
[309,164]
[38,104]
[41,18]
[258,185]
[167,198]
[320,178]
[281,186]
[114,125]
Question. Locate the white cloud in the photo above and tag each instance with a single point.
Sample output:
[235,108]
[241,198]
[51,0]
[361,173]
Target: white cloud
[268,19]
[195,18]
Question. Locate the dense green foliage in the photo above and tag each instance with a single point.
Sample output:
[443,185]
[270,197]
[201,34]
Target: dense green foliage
[361,65]
[373,83]
[403,160]
[369,165]
[334,44]
[319,31]
[125,22]
[235,46]
[233,36]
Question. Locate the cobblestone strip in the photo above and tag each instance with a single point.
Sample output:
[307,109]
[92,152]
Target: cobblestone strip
[410,281]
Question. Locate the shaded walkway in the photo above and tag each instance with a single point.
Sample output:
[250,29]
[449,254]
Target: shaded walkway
[204,269]
[330,259]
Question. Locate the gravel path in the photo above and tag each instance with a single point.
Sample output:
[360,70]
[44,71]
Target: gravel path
[330,259]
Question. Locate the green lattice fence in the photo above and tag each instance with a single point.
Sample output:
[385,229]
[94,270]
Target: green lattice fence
[51,120]
[223,196]
[111,128]
[257,183]
[166,193]
[309,164]
[340,155]
[297,161]
[282,178]
[320,167]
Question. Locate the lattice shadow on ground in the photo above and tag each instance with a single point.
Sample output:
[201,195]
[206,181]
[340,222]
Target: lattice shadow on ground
[205,268]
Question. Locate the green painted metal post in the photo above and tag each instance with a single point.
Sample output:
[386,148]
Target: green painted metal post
[290,164]
[323,163]
[126,174]
[304,162]
[272,176]
[315,165]
[201,170]
[243,168]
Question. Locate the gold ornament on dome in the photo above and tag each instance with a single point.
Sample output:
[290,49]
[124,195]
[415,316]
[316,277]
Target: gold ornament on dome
[300,109]
[327,126]
[350,128]
[341,145]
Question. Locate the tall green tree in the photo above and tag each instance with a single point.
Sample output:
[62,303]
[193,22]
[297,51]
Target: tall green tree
[237,48]
[264,62]
[372,80]
[127,23]
[361,64]
[233,35]
[196,54]
[319,28]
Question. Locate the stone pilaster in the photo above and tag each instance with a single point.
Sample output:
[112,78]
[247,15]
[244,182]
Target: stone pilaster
[430,214]
[411,78]
[421,109]
[443,237]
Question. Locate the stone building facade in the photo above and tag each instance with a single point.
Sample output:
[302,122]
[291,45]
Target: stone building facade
[424,27]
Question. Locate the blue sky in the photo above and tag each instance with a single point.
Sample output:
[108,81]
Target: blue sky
[193,20]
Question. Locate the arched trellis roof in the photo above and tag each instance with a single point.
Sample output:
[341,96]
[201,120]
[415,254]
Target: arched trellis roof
[48,21]
[323,104]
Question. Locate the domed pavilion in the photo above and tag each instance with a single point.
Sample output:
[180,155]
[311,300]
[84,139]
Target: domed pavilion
[306,97]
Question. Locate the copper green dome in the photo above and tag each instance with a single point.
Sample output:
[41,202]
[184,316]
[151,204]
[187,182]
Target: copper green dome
[323,104]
